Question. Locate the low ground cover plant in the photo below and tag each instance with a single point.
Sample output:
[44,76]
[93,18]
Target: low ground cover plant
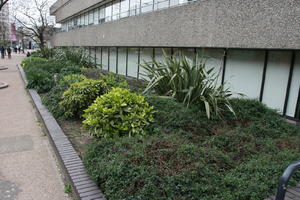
[79,96]
[187,156]
[118,113]
[54,96]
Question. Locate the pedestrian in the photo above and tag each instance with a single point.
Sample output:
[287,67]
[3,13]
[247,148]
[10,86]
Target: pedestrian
[2,51]
[28,54]
[19,49]
[9,52]
[15,49]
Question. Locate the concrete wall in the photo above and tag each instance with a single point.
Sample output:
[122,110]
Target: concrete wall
[207,23]
[73,7]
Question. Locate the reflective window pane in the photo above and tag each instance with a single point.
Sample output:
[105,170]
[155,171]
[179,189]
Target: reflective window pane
[134,7]
[96,16]
[147,5]
[159,4]
[101,15]
[91,17]
[122,61]
[116,10]
[108,11]
[133,62]
[86,18]
[174,2]
[105,58]
[124,8]
[113,59]
[98,57]
[159,54]
[146,56]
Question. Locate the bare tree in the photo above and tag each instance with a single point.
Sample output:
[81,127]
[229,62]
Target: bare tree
[35,20]
[2,3]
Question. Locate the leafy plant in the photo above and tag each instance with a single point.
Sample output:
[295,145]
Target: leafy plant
[118,113]
[114,80]
[77,56]
[68,189]
[188,82]
[45,53]
[80,95]
[26,62]
[39,80]
[52,99]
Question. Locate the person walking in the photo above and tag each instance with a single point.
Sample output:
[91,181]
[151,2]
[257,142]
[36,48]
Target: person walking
[9,52]
[19,49]
[2,51]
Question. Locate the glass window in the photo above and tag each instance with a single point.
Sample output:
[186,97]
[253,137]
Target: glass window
[91,17]
[122,61]
[108,11]
[82,20]
[159,54]
[183,1]
[174,2]
[147,5]
[133,62]
[113,59]
[124,8]
[101,15]
[116,10]
[146,55]
[96,16]
[98,57]
[105,58]
[188,52]
[78,21]
[92,54]
[86,19]
[159,4]
[134,7]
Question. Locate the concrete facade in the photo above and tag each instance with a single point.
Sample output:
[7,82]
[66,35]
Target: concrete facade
[265,24]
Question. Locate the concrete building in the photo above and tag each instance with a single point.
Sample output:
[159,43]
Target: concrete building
[254,44]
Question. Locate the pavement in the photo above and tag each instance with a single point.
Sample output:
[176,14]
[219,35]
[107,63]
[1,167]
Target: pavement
[28,166]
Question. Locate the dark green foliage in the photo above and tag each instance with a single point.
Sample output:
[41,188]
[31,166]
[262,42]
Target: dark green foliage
[114,80]
[45,53]
[80,96]
[42,74]
[52,99]
[189,157]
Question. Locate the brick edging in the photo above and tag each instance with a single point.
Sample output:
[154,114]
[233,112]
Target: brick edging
[85,188]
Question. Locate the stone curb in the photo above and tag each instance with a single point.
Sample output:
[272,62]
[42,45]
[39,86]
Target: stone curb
[3,85]
[85,188]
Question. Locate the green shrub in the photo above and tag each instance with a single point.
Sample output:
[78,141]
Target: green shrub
[76,56]
[52,99]
[26,62]
[81,95]
[45,53]
[39,80]
[114,80]
[118,113]
[188,82]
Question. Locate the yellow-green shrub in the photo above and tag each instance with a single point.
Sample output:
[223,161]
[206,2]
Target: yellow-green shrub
[118,113]
[80,95]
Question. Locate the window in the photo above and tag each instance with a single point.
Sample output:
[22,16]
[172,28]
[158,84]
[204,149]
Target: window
[122,61]
[116,10]
[86,19]
[147,5]
[105,58]
[113,59]
[124,8]
[78,21]
[159,4]
[91,17]
[108,11]
[98,57]
[174,2]
[101,15]
[96,16]
[146,55]
[159,53]
[133,62]
[134,7]
[82,20]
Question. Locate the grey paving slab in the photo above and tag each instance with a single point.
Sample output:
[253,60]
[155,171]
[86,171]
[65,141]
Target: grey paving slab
[16,144]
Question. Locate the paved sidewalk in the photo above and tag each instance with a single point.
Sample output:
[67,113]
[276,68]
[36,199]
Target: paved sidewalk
[28,168]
